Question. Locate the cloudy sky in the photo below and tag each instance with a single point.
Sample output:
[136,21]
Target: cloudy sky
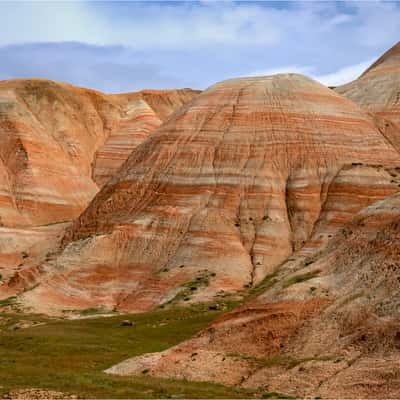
[125,46]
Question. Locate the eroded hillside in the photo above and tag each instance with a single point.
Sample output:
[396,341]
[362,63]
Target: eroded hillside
[58,145]
[226,190]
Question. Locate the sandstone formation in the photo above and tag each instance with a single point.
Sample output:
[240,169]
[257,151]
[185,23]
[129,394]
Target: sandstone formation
[21,248]
[249,172]
[329,329]
[49,135]
[58,145]
[276,191]
[142,113]
[328,323]
[378,91]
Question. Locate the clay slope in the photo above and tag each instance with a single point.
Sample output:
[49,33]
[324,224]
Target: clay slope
[226,190]
[378,90]
[50,133]
[142,112]
[329,329]
[55,141]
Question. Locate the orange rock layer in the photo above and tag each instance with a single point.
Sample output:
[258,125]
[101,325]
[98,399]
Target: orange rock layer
[333,334]
[228,188]
[50,133]
[328,324]
[143,113]
[378,90]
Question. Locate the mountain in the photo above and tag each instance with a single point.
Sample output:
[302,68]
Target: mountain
[58,144]
[250,172]
[143,112]
[330,329]
[51,135]
[325,323]
[378,90]
[272,201]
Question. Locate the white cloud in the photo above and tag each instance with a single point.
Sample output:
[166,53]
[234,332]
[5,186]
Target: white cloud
[343,75]
[339,77]
[294,69]
[145,25]
[201,42]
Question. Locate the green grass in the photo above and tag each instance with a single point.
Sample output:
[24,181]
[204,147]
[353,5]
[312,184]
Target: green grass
[190,288]
[282,360]
[300,278]
[265,284]
[94,311]
[8,301]
[276,395]
[70,355]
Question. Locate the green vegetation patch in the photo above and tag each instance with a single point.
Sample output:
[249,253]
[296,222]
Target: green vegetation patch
[94,311]
[8,301]
[282,360]
[300,278]
[71,355]
[265,284]
[191,287]
[277,395]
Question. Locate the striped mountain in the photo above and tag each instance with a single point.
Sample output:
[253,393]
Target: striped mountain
[250,172]
[58,145]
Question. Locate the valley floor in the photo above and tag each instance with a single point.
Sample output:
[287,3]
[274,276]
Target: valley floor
[69,356]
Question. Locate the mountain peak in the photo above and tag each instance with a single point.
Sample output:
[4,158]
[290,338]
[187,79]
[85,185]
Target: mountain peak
[390,58]
[378,90]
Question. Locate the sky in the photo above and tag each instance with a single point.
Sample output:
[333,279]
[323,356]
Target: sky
[124,46]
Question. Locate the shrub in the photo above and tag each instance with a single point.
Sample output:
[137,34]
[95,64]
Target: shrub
[300,278]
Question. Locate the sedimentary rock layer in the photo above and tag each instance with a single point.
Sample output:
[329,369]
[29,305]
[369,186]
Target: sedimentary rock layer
[24,248]
[328,324]
[143,112]
[49,135]
[222,193]
[378,90]
[58,145]
[329,329]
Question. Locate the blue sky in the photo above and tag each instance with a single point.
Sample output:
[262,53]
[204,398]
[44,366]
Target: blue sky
[125,46]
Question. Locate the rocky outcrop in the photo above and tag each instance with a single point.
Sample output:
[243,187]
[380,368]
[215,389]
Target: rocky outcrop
[50,135]
[224,192]
[58,145]
[327,324]
[378,91]
[22,248]
[273,190]
[143,112]
[378,88]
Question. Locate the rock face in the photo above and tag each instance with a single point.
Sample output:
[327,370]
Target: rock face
[58,145]
[143,112]
[51,133]
[22,248]
[378,90]
[329,329]
[249,172]
[271,181]
[328,324]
